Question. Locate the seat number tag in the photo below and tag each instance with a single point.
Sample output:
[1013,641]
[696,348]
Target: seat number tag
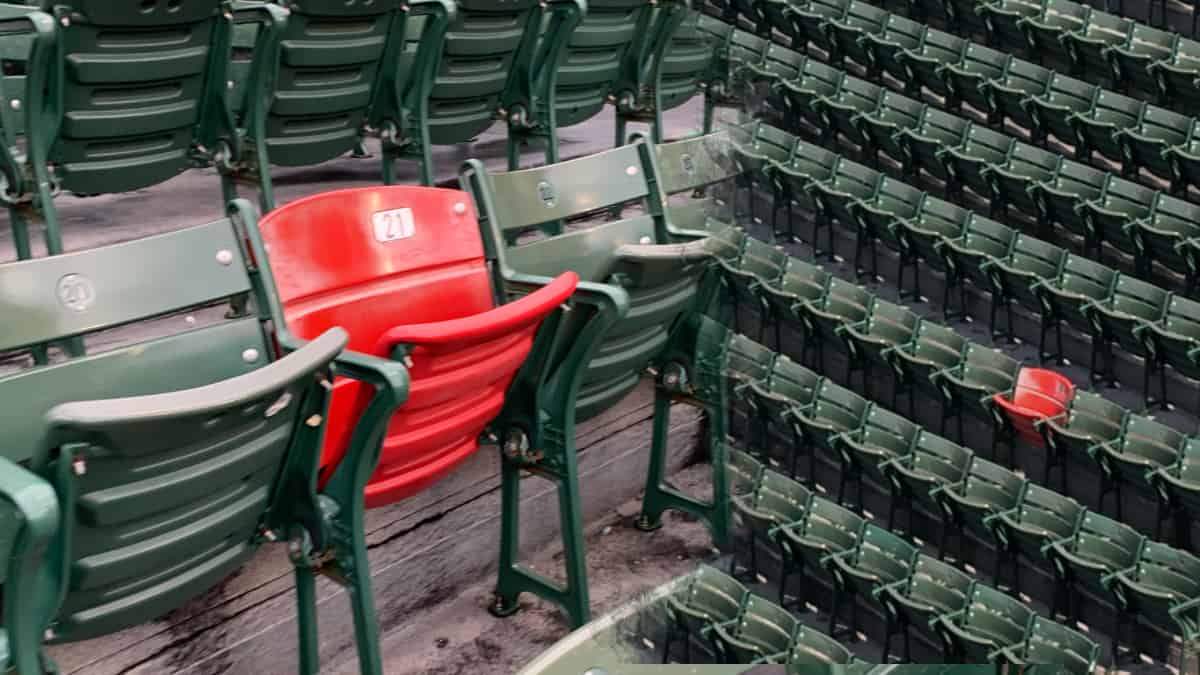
[392,225]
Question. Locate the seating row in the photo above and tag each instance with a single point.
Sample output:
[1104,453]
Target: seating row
[1062,34]
[248,86]
[1084,550]
[298,410]
[1121,128]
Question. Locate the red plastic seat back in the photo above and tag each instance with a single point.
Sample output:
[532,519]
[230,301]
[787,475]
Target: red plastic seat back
[1040,393]
[405,265]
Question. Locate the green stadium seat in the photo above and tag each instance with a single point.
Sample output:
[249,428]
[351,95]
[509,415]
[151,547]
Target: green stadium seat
[1177,75]
[1131,62]
[799,95]
[1088,47]
[990,622]
[1012,181]
[676,59]
[1007,95]
[983,240]
[883,48]
[876,217]
[790,385]
[777,502]
[1057,196]
[809,18]
[924,145]
[838,111]
[988,488]
[970,164]
[837,196]
[306,79]
[881,126]
[924,64]
[631,296]
[28,35]
[811,647]
[1014,277]
[921,238]
[932,589]
[1175,341]
[1096,127]
[1089,421]
[574,72]
[775,14]
[829,528]
[968,387]
[762,634]
[1163,236]
[802,286]
[1052,111]
[745,473]
[779,64]
[843,303]
[1145,446]
[1179,488]
[886,326]
[1082,562]
[808,163]
[934,348]
[758,264]
[1046,31]
[1119,319]
[965,79]
[1144,145]
[1053,643]
[933,461]
[757,149]
[1161,589]
[170,115]
[709,597]
[688,168]
[1080,282]
[848,32]
[750,12]
[144,475]
[878,558]
[883,436]
[1005,19]
[1041,517]
[833,411]
[729,81]
[1109,217]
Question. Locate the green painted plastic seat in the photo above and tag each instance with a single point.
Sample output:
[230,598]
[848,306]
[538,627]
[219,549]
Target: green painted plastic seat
[809,18]
[744,472]
[880,127]
[1045,31]
[142,476]
[1095,128]
[1132,61]
[887,326]
[675,59]
[839,111]
[1162,589]
[789,386]
[1143,145]
[1119,319]
[807,163]
[775,14]
[828,529]
[1025,167]
[921,237]
[878,558]
[934,461]
[876,217]
[971,163]
[834,410]
[1080,282]
[1088,46]
[1109,217]
[778,502]
[934,348]
[779,63]
[758,264]
[104,117]
[691,166]
[848,32]
[1145,446]
[1053,643]
[924,64]
[837,197]
[1164,236]
[1051,112]
[983,241]
[305,80]
[811,647]
[924,145]
[987,489]
[1177,75]
[1057,196]
[883,436]
[799,95]
[1030,261]
[1090,420]
[1099,547]
[883,48]
[802,285]
[934,588]
[979,64]
[991,621]
[1040,518]
[963,16]
[571,78]
[969,386]
[763,633]
[1179,485]
[709,597]
[757,148]
[843,304]
[1007,95]
[634,287]
[1176,339]
[1005,19]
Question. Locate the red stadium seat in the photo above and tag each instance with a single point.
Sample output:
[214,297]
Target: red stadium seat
[1039,393]
[403,270]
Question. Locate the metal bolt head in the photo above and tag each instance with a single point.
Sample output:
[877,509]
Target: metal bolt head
[65,21]
[15,104]
[295,547]
[229,84]
[250,355]
[79,466]
[225,256]
[645,240]
[459,208]
[314,421]
[631,171]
